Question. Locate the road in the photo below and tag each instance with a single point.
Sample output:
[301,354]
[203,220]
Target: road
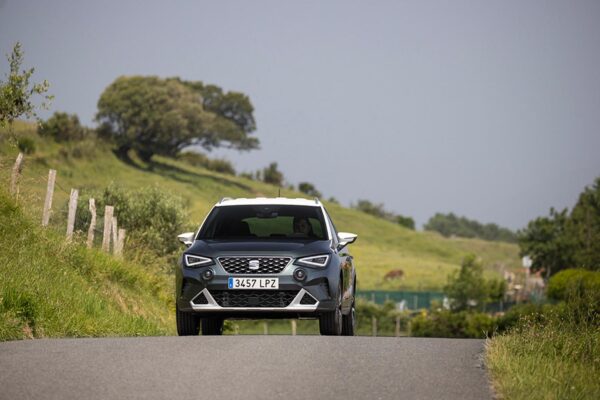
[243,367]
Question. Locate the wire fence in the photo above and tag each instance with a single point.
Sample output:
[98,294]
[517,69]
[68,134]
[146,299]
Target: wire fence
[97,227]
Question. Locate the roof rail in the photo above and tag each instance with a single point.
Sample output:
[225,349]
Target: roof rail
[317,200]
[225,199]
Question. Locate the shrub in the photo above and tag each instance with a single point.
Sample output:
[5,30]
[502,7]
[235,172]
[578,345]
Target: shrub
[453,325]
[212,164]
[26,145]
[309,189]
[63,127]
[152,217]
[562,285]
[272,175]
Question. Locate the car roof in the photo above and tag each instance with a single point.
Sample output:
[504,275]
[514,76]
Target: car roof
[268,201]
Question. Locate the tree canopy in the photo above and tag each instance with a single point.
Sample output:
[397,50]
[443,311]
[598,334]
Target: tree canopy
[16,92]
[63,127]
[566,240]
[309,189]
[450,224]
[379,211]
[152,115]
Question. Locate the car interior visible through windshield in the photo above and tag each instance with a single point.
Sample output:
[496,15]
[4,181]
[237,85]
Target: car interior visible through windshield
[265,222]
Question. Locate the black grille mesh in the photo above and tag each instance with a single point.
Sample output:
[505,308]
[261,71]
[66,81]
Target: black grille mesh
[254,298]
[267,265]
[200,299]
[307,299]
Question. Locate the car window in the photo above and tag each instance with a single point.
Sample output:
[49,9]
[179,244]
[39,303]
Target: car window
[265,222]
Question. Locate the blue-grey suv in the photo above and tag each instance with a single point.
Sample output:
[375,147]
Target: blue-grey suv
[266,258]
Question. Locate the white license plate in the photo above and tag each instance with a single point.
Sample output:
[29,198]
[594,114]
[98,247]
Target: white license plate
[253,283]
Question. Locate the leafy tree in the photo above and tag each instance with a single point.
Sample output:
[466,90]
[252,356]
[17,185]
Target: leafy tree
[63,127]
[17,92]
[272,175]
[234,119]
[163,116]
[379,211]
[309,189]
[450,224]
[583,227]
[545,240]
[467,288]
[406,222]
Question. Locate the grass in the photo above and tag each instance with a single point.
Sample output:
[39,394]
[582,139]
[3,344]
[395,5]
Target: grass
[425,258]
[547,357]
[53,289]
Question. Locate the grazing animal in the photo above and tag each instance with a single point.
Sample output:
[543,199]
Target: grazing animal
[394,274]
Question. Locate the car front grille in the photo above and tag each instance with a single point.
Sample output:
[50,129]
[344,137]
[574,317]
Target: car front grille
[247,265]
[254,298]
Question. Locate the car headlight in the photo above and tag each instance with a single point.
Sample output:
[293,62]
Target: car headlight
[314,261]
[196,261]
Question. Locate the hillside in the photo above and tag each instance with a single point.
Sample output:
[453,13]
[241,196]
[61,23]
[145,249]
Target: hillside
[425,258]
[52,289]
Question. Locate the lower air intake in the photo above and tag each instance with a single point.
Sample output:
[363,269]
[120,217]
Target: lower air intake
[254,298]
[200,299]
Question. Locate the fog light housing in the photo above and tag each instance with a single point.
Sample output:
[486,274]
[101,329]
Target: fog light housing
[208,274]
[300,274]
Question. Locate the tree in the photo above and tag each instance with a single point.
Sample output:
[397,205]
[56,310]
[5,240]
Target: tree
[450,224]
[583,227]
[62,127]
[234,120]
[272,175]
[309,189]
[546,242]
[406,222]
[467,288]
[368,207]
[17,92]
[163,116]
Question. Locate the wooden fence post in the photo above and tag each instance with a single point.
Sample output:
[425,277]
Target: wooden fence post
[49,195]
[293,327]
[16,174]
[265,328]
[118,249]
[108,214]
[72,210]
[397,326]
[374,325]
[115,234]
[90,238]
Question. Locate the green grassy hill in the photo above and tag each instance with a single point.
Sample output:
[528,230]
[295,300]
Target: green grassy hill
[425,258]
[52,289]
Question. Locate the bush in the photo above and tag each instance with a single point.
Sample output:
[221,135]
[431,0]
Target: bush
[453,325]
[63,127]
[309,189]
[272,175]
[152,217]
[26,145]
[212,164]
[562,285]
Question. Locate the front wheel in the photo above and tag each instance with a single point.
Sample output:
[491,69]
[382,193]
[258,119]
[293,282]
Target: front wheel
[188,324]
[212,326]
[330,323]
[349,323]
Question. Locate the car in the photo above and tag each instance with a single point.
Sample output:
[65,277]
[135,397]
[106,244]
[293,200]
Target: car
[265,258]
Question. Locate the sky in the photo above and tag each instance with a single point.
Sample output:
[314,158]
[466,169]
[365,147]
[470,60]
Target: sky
[490,110]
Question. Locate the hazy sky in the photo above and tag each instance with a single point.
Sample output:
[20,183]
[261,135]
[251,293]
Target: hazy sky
[487,109]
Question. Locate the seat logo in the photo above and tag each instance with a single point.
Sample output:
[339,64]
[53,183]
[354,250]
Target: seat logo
[254,265]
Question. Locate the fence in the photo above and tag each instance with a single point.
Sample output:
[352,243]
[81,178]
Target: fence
[410,300]
[111,233]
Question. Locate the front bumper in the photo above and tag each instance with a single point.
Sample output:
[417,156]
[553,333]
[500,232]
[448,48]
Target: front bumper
[315,289]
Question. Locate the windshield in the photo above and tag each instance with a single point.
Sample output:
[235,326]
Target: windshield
[265,222]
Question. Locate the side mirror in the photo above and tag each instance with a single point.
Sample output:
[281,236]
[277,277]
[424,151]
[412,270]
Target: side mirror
[346,238]
[186,238]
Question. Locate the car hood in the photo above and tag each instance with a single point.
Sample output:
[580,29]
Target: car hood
[213,248]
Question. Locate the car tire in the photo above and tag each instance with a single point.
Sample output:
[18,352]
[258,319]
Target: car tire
[349,322]
[212,326]
[188,324]
[330,323]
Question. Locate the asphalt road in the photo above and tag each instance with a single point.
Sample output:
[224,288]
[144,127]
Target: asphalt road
[243,367]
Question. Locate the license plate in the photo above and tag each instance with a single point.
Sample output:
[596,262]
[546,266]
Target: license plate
[253,283]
